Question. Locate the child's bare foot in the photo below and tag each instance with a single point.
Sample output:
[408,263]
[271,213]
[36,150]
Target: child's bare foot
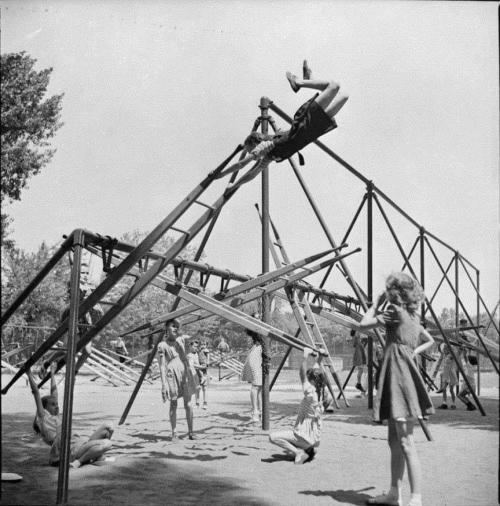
[306,71]
[292,79]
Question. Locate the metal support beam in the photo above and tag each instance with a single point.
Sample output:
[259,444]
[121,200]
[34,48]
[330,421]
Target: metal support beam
[266,303]
[63,476]
[369,283]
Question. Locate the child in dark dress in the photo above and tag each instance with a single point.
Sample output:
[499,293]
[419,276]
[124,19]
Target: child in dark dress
[401,393]
[313,119]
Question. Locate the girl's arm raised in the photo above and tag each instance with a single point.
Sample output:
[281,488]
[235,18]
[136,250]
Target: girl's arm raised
[53,384]
[369,320]
[303,366]
[36,394]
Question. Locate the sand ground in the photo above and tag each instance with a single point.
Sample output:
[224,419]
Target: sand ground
[232,462]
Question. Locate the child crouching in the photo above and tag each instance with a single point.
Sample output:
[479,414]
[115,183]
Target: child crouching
[303,440]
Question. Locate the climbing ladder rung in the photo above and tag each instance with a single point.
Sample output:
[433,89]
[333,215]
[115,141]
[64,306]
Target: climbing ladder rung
[108,303]
[204,205]
[180,230]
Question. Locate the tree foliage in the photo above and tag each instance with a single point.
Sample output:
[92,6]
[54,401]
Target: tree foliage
[28,121]
[44,305]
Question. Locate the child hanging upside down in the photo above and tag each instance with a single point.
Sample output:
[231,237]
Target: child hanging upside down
[48,422]
[303,440]
[313,119]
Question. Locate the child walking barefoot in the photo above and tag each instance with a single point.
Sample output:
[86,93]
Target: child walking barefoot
[303,440]
[401,393]
[449,377]
[313,119]
[178,377]
[252,373]
[48,422]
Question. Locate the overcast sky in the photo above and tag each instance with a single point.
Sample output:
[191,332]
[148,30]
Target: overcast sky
[158,93]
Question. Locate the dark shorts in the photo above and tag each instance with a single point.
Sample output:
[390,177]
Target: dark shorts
[309,122]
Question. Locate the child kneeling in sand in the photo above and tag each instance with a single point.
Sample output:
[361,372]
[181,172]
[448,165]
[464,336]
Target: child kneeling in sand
[48,422]
[303,440]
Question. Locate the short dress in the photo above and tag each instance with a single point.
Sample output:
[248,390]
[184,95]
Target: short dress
[359,357]
[449,374]
[401,391]
[252,369]
[182,380]
[203,371]
[309,122]
[308,423]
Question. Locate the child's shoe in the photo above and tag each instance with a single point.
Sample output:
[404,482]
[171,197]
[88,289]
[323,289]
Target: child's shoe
[360,388]
[306,71]
[384,499]
[311,453]
[470,406]
[453,406]
[174,438]
[205,405]
[415,500]
[443,406]
[292,79]
[192,437]
[301,457]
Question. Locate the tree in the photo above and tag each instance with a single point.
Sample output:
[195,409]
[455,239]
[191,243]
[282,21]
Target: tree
[27,122]
[44,305]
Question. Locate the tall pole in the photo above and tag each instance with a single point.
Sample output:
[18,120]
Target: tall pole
[369,282]
[266,317]
[478,322]
[457,305]
[422,284]
[63,477]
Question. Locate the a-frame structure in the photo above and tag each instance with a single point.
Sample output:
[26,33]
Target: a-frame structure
[148,267]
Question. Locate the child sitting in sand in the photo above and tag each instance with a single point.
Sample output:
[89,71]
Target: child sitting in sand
[303,440]
[48,422]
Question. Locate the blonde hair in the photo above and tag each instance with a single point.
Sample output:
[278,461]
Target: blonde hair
[403,290]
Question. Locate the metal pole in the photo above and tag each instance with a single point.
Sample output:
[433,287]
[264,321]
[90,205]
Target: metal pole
[479,295]
[369,270]
[282,363]
[457,307]
[478,322]
[63,477]
[422,284]
[264,108]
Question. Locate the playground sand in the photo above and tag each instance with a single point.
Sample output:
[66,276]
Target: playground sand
[232,462]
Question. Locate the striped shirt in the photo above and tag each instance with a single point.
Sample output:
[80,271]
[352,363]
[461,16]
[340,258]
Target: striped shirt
[262,149]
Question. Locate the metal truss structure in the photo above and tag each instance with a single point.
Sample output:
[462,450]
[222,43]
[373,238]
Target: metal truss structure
[148,267]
